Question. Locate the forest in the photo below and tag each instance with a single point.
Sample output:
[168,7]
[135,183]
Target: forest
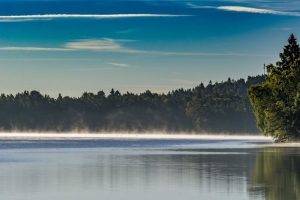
[215,108]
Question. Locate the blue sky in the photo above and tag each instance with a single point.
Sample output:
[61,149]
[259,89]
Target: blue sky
[76,46]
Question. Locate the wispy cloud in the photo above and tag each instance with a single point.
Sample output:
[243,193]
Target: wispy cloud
[246,9]
[125,31]
[15,20]
[96,69]
[19,18]
[119,64]
[33,49]
[49,59]
[104,44]
[283,29]
[257,10]
[118,46]
[196,6]
[205,54]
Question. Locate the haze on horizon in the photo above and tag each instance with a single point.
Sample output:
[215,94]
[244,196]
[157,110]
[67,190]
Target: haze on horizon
[70,47]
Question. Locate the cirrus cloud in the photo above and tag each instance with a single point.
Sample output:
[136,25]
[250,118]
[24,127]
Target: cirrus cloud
[24,18]
[118,46]
[256,10]
[90,44]
[245,9]
[119,64]
[33,49]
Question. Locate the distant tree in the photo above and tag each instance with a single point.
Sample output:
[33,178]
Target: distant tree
[101,94]
[112,92]
[59,98]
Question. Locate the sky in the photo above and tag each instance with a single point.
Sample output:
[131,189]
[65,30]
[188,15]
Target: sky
[71,47]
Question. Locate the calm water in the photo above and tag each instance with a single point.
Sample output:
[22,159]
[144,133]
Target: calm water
[147,169]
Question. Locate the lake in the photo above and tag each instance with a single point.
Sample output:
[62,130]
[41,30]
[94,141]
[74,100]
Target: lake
[147,168]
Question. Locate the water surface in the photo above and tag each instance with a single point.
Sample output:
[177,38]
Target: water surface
[120,168]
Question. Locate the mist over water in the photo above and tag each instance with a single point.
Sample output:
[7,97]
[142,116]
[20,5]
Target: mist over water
[33,141]
[77,166]
[157,135]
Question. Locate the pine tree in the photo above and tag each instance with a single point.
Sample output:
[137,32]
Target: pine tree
[290,53]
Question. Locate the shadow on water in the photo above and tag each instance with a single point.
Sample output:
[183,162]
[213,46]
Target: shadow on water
[276,174]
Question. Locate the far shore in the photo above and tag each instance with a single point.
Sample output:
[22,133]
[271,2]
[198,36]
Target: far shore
[135,135]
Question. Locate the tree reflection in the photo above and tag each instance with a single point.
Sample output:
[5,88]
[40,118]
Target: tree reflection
[277,174]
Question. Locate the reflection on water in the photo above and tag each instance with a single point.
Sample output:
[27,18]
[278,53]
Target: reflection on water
[276,174]
[179,171]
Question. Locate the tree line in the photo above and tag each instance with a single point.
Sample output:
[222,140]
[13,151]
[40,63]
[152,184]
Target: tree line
[215,108]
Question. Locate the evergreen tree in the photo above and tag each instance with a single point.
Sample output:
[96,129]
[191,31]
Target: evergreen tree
[276,101]
[290,53]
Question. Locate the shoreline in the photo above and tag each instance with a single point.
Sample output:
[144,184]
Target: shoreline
[133,136]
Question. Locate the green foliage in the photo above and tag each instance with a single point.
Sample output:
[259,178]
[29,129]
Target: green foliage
[216,108]
[290,54]
[276,101]
[223,107]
